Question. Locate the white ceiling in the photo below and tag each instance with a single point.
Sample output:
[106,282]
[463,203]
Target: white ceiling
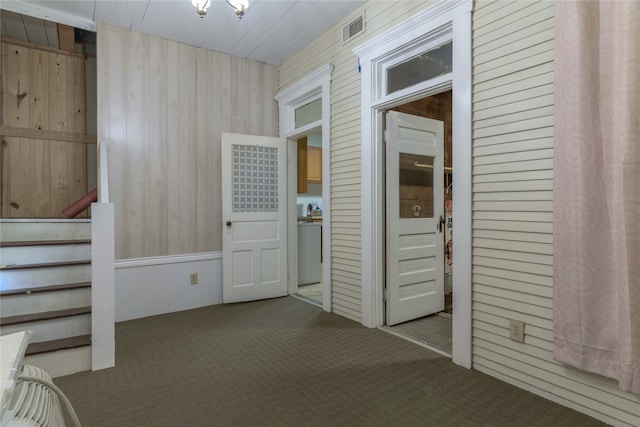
[271,30]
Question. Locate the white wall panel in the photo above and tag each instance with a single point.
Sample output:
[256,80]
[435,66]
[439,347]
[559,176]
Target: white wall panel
[149,286]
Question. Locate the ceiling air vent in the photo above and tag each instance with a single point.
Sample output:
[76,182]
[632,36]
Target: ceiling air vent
[353,28]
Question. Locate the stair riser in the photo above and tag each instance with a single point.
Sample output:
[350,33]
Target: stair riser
[14,305]
[62,362]
[45,253]
[45,230]
[20,279]
[52,329]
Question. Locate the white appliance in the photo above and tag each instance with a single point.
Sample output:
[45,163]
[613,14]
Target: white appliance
[29,397]
[309,253]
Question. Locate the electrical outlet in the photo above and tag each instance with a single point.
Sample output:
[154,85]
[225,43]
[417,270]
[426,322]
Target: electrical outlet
[517,330]
[193,278]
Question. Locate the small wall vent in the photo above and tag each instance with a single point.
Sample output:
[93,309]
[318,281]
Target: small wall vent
[353,29]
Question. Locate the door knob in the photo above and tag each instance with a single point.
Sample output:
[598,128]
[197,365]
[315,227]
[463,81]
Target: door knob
[228,223]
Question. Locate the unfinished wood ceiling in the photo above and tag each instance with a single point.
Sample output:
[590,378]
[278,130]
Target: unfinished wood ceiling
[271,30]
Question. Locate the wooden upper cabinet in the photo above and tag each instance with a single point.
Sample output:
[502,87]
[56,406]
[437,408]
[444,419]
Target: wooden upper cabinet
[309,165]
[314,164]
[302,165]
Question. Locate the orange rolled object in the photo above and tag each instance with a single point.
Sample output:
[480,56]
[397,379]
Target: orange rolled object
[81,204]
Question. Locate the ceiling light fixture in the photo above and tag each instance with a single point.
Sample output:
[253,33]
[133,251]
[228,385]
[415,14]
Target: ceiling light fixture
[201,6]
[240,6]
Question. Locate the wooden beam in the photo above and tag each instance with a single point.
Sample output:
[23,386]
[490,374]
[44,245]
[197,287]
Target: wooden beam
[41,47]
[67,38]
[48,134]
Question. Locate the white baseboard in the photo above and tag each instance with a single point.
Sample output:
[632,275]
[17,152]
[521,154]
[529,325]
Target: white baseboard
[150,286]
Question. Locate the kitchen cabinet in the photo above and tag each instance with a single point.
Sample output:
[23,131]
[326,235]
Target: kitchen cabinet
[302,165]
[309,165]
[314,164]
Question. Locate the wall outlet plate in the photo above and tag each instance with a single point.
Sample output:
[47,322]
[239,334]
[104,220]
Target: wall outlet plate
[193,278]
[517,330]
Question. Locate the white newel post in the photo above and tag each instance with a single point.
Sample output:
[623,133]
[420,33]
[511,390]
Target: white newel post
[103,286]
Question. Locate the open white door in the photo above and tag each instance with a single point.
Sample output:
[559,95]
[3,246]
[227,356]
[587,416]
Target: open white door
[415,199]
[254,242]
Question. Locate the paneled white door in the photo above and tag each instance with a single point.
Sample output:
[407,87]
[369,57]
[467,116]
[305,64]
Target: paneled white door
[254,232]
[415,199]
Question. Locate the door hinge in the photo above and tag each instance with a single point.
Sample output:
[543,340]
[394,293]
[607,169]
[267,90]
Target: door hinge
[385,294]
[385,136]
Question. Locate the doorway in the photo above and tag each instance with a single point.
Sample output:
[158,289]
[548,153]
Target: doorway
[419,194]
[309,209]
[305,109]
[423,31]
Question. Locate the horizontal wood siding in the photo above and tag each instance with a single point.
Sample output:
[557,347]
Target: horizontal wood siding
[345,140]
[162,107]
[512,211]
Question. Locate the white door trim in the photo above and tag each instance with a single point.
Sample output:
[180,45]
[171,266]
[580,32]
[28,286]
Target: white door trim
[453,16]
[314,85]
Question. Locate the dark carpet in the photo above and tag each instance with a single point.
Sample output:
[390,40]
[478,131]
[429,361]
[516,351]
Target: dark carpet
[284,362]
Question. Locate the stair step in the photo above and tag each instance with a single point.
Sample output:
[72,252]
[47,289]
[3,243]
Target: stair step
[62,362]
[15,253]
[59,344]
[59,297]
[14,244]
[44,229]
[44,265]
[48,315]
[50,288]
[57,274]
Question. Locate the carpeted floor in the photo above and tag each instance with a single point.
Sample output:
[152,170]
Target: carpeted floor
[284,362]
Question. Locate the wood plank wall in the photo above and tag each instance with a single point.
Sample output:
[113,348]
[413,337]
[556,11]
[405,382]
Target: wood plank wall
[512,211]
[346,210]
[43,131]
[162,107]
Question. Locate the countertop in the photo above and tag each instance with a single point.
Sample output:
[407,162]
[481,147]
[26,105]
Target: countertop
[314,218]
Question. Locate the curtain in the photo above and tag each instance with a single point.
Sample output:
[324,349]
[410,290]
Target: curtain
[596,190]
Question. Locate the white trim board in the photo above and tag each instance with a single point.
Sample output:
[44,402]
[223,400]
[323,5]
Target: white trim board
[169,259]
[374,55]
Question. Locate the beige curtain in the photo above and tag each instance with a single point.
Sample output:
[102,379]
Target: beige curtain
[597,189]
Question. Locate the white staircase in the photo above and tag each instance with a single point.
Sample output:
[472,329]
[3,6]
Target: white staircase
[45,287]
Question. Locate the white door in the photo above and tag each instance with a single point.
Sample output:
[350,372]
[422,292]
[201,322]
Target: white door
[415,246]
[254,232]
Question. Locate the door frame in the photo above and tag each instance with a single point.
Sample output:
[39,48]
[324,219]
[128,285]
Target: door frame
[444,20]
[316,84]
